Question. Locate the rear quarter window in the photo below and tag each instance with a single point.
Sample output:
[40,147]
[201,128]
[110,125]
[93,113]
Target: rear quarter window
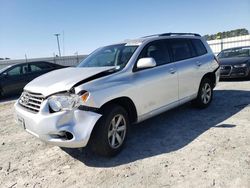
[199,47]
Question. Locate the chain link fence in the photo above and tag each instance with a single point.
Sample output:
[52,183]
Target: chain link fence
[216,45]
[64,60]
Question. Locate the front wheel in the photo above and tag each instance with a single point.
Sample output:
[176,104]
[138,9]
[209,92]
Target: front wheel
[205,94]
[1,93]
[110,132]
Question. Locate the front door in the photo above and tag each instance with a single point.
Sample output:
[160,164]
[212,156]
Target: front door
[14,81]
[157,86]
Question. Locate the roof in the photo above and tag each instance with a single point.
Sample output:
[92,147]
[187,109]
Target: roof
[137,42]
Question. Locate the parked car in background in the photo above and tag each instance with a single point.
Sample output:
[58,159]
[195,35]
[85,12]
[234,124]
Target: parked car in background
[14,77]
[235,62]
[116,86]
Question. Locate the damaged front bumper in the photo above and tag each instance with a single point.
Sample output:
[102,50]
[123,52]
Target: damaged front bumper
[70,129]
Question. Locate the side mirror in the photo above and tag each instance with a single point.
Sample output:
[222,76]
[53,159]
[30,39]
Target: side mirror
[146,62]
[5,74]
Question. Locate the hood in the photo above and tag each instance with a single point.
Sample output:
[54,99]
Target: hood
[62,79]
[233,60]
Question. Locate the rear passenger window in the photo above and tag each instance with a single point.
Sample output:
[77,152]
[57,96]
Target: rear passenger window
[158,51]
[39,66]
[199,47]
[181,49]
[35,68]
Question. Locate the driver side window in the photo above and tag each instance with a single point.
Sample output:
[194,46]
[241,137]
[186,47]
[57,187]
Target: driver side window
[15,71]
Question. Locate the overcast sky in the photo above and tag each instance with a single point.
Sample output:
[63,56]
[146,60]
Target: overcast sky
[27,26]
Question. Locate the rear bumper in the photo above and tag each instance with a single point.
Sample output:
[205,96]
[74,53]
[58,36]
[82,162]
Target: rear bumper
[50,127]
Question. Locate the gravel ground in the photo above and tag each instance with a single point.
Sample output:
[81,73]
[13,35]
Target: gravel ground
[184,147]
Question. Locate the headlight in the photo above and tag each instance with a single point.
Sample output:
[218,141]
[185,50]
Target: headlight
[240,65]
[67,101]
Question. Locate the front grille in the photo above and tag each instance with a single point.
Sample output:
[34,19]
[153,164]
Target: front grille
[31,101]
[240,70]
[225,70]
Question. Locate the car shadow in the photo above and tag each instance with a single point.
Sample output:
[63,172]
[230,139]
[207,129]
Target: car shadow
[9,98]
[171,130]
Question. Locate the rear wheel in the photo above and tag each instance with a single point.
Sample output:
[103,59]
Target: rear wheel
[205,94]
[110,132]
[248,77]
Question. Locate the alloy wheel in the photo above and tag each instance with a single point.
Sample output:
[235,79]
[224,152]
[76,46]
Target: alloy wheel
[117,131]
[206,93]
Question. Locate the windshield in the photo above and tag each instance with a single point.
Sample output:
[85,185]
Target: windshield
[235,52]
[115,55]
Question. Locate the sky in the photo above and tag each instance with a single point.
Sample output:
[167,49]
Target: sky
[28,26]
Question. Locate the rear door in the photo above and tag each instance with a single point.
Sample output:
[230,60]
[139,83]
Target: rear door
[37,69]
[188,66]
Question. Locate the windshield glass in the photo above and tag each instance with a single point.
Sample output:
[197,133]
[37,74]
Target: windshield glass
[115,55]
[235,52]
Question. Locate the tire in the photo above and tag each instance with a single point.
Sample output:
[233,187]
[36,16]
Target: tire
[205,94]
[248,77]
[1,93]
[107,139]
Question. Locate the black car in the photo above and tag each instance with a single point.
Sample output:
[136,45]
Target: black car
[14,77]
[235,62]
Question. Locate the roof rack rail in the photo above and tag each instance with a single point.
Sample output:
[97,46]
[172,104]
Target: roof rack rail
[155,35]
[170,34]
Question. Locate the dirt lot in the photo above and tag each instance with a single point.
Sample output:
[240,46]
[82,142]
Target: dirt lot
[184,147]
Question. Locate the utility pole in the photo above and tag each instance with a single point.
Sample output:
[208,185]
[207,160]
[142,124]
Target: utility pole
[57,37]
[63,45]
[26,59]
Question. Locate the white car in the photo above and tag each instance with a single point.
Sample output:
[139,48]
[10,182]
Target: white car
[116,86]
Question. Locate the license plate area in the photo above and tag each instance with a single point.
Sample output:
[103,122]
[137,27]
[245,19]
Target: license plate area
[21,122]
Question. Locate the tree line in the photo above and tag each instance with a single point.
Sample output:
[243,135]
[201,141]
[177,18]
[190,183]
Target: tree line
[227,34]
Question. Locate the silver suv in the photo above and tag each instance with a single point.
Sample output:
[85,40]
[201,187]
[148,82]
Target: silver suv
[116,86]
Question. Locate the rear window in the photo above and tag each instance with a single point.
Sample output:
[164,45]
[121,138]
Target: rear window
[181,49]
[199,47]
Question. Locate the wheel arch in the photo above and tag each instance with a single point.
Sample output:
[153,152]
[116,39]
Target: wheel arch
[127,104]
[211,76]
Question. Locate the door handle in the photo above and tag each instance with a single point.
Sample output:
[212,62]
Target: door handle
[172,71]
[198,63]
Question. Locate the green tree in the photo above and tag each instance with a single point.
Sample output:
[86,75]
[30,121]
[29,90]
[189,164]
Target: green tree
[227,34]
